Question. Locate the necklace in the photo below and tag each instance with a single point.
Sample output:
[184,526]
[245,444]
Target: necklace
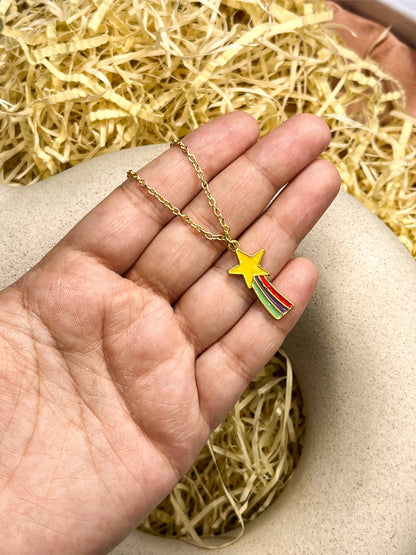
[248,265]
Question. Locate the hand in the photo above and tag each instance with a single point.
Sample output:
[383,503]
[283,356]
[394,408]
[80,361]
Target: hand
[129,342]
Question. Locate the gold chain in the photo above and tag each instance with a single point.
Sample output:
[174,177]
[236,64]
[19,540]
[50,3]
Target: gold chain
[232,244]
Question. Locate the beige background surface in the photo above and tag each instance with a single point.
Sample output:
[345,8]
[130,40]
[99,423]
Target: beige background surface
[354,353]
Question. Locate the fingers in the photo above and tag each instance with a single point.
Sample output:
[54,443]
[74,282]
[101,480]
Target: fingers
[178,255]
[215,302]
[118,230]
[224,370]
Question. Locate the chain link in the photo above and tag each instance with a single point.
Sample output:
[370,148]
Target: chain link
[232,244]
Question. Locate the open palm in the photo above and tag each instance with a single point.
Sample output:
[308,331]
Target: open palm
[128,343]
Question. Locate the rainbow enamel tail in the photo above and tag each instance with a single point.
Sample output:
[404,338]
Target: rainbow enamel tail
[276,304]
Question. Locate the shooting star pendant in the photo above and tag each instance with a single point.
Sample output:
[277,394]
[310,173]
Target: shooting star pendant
[255,277]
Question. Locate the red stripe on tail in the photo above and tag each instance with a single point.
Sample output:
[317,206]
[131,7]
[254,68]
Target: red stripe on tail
[276,293]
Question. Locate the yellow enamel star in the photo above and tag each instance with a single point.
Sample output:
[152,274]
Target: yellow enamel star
[249,266]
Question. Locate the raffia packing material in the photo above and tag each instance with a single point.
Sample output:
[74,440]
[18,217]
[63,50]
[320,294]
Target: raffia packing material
[83,78]
[244,466]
